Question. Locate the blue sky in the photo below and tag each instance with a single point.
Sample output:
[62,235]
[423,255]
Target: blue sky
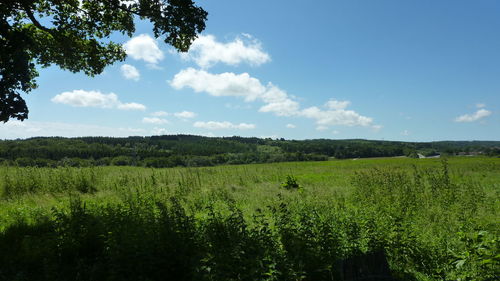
[393,70]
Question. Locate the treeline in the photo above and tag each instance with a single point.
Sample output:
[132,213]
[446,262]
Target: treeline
[194,151]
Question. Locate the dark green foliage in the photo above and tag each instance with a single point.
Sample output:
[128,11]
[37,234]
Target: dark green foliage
[404,202]
[61,180]
[25,162]
[121,161]
[478,257]
[290,183]
[395,224]
[74,35]
[197,151]
[141,241]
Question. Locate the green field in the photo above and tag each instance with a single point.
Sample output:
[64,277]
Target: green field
[366,219]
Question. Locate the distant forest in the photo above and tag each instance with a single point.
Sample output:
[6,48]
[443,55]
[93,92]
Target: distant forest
[195,151]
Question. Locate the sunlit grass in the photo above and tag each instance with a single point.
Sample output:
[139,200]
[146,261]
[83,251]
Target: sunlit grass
[422,215]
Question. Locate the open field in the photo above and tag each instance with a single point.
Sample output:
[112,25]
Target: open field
[412,219]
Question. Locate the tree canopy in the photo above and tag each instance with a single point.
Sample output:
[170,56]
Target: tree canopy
[74,34]
[193,151]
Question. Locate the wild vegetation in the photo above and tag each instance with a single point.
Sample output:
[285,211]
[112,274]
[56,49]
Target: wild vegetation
[369,219]
[197,151]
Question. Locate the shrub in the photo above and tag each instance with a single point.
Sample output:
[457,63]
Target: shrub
[290,183]
[121,161]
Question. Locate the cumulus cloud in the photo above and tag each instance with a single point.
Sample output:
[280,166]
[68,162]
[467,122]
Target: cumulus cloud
[481,113]
[82,98]
[154,120]
[275,100]
[214,125]
[206,51]
[130,72]
[223,84]
[131,106]
[336,105]
[336,114]
[237,85]
[143,47]
[278,102]
[291,126]
[335,117]
[185,114]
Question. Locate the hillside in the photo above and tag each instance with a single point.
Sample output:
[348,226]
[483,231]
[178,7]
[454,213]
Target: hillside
[189,150]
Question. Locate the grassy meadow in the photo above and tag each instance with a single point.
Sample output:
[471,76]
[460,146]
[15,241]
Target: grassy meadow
[365,219]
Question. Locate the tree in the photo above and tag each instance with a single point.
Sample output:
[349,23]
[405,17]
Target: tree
[73,34]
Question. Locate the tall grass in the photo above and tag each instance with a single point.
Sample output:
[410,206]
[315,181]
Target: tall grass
[349,220]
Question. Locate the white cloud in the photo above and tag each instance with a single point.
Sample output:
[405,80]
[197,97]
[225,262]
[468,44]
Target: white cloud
[154,120]
[336,105]
[275,99]
[143,47]
[206,51]
[335,132]
[480,105]
[224,84]
[185,114]
[130,72]
[131,106]
[291,126]
[336,117]
[481,113]
[159,113]
[213,125]
[12,130]
[159,131]
[82,98]
[405,133]
[278,102]
[237,85]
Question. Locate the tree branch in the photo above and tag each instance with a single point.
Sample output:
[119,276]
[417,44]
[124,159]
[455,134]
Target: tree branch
[34,20]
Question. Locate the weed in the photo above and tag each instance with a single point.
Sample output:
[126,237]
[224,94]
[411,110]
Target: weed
[290,183]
